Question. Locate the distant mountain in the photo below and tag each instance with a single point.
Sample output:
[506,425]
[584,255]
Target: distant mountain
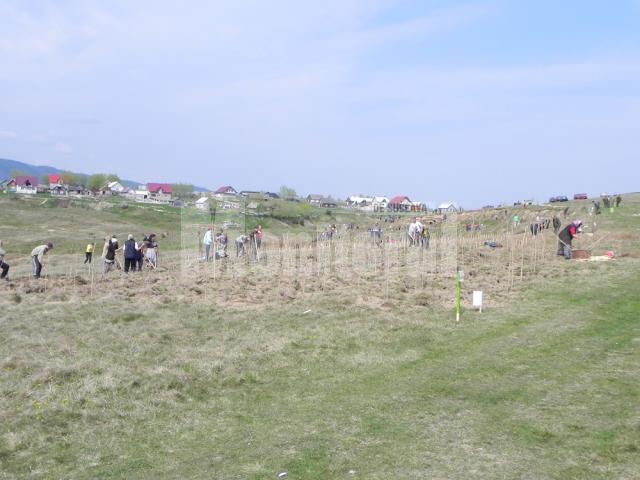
[8,166]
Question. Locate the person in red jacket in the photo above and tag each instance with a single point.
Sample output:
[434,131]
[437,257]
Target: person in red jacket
[566,236]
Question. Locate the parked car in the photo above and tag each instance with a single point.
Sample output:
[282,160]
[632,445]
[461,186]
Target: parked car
[580,196]
[488,207]
[559,198]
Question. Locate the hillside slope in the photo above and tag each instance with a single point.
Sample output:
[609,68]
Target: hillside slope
[7,166]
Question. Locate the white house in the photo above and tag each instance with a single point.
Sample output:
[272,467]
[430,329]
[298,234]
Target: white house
[25,185]
[380,204]
[448,207]
[361,202]
[138,195]
[202,203]
[115,187]
[160,192]
[226,192]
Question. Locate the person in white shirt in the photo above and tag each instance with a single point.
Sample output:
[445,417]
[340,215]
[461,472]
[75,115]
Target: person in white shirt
[207,241]
[37,256]
[412,233]
[241,241]
[418,235]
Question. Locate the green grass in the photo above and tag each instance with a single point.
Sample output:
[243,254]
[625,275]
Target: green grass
[71,223]
[544,386]
[541,388]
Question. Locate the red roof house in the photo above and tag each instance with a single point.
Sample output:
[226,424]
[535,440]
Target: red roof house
[160,192]
[226,189]
[55,178]
[23,184]
[25,181]
[400,203]
[160,188]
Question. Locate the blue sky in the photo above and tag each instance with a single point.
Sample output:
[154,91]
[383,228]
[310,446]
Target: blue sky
[477,102]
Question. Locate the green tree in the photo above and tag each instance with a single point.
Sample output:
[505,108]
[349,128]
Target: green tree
[182,190]
[97,181]
[82,180]
[44,179]
[69,178]
[287,192]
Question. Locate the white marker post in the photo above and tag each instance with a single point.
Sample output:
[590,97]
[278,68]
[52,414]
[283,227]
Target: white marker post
[477,300]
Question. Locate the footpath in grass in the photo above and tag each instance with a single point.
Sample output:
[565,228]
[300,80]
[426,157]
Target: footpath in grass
[542,388]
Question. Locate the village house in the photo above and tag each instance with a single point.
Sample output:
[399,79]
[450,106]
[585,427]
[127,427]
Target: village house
[229,205]
[141,194]
[25,185]
[380,204]
[250,193]
[328,202]
[321,201]
[400,203]
[225,192]
[361,202]
[58,190]
[254,194]
[315,199]
[79,191]
[203,203]
[160,192]
[116,188]
[447,207]
[55,180]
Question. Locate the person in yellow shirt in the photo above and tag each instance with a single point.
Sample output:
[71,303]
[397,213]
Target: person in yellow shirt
[88,253]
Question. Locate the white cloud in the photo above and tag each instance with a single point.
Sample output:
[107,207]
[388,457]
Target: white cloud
[8,134]
[61,147]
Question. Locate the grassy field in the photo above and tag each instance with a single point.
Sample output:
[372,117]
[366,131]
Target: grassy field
[542,385]
[71,223]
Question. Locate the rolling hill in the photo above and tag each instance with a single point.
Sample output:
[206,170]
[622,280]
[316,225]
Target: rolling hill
[7,166]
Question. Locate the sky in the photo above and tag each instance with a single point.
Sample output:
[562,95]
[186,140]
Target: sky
[478,102]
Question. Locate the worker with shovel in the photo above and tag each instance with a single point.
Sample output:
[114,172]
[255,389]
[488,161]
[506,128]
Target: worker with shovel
[37,256]
[566,236]
[109,254]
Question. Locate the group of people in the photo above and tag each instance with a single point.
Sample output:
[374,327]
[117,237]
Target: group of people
[540,224]
[220,242]
[610,202]
[135,253]
[249,243]
[328,233]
